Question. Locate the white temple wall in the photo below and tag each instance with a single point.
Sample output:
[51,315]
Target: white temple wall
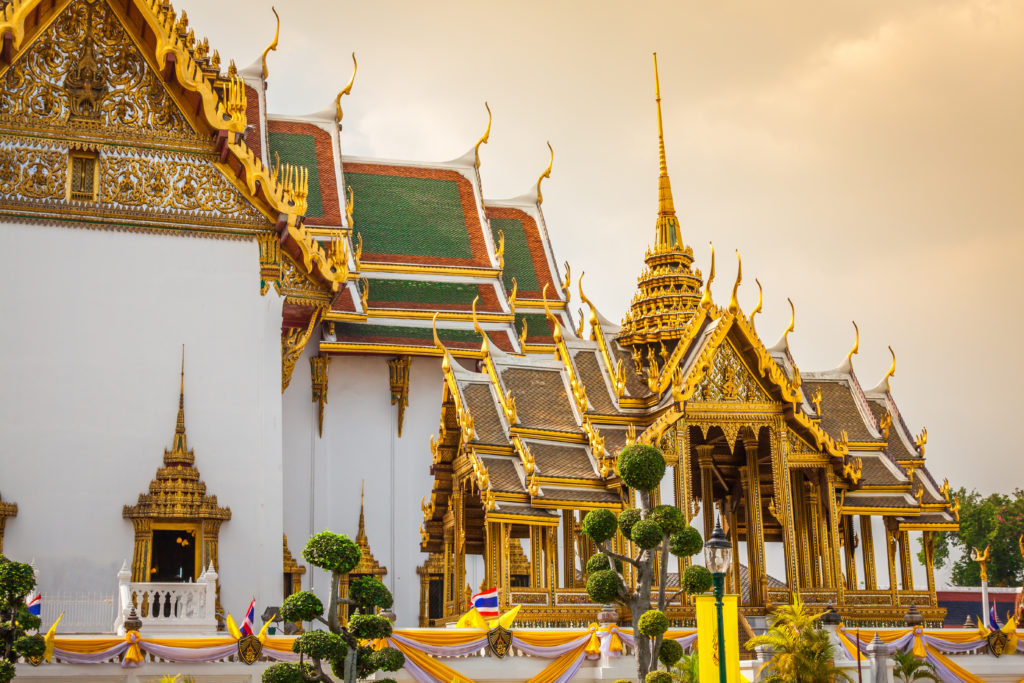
[360,442]
[93,323]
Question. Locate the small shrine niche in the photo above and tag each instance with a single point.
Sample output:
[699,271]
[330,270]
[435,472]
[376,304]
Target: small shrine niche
[368,565]
[6,510]
[293,571]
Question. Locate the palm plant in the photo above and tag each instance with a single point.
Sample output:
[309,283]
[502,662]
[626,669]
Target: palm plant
[909,667]
[803,653]
[687,670]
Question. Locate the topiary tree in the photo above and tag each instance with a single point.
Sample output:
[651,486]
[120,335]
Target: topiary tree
[660,528]
[339,646]
[16,581]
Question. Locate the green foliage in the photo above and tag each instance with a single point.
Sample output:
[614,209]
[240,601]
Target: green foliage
[646,534]
[668,517]
[641,467]
[16,581]
[687,669]
[909,668]
[369,626]
[332,552]
[685,542]
[6,671]
[599,525]
[389,659]
[803,653]
[603,586]
[301,606]
[627,518]
[30,646]
[320,645]
[658,677]
[366,663]
[996,520]
[286,672]
[599,561]
[652,623]
[696,580]
[369,592]
[670,653]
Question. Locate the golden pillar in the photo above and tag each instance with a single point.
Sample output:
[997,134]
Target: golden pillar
[755,525]
[867,549]
[906,566]
[813,520]
[568,548]
[536,556]
[891,543]
[929,566]
[707,487]
[552,556]
[851,553]
[143,538]
[786,507]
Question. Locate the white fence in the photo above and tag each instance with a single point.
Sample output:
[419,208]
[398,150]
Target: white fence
[169,608]
[83,612]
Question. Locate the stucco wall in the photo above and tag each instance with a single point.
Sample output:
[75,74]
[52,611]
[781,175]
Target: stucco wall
[93,323]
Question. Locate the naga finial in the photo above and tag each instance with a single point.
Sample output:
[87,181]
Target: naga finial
[892,369]
[760,300]
[273,44]
[705,300]
[347,90]
[484,346]
[545,174]
[483,138]
[856,345]
[792,322]
[734,304]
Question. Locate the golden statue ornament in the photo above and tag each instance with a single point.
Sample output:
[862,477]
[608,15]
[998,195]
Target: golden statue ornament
[982,558]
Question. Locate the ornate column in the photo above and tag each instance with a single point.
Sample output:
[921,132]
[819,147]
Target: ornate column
[568,549]
[755,526]
[784,498]
[929,565]
[867,546]
[730,509]
[890,543]
[834,562]
[851,553]
[536,556]
[6,510]
[707,487]
[814,539]
[552,555]
[906,565]
[424,596]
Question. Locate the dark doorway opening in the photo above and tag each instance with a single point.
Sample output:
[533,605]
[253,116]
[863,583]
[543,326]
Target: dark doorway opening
[174,556]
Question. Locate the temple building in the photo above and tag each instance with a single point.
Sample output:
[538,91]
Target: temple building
[328,305]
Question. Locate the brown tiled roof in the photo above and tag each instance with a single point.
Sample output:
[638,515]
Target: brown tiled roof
[541,400]
[583,495]
[877,502]
[838,410]
[920,475]
[587,364]
[896,447]
[481,403]
[562,460]
[635,386]
[503,474]
[933,518]
[525,510]
[614,440]
[876,472]
[254,140]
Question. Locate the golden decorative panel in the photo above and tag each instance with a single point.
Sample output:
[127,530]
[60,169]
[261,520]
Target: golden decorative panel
[729,380]
[85,72]
[6,510]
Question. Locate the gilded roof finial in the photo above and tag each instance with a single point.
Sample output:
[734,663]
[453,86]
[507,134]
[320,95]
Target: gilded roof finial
[705,300]
[361,534]
[892,369]
[760,300]
[273,43]
[483,141]
[545,174]
[668,232]
[792,322]
[347,90]
[179,428]
[856,345]
[734,304]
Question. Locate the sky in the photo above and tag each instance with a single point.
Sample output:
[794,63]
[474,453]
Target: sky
[866,159]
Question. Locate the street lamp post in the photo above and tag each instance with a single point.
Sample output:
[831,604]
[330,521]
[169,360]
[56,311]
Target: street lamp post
[717,554]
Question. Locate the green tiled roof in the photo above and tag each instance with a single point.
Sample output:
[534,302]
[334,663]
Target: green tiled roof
[346,331]
[409,216]
[416,291]
[518,260]
[299,149]
[536,324]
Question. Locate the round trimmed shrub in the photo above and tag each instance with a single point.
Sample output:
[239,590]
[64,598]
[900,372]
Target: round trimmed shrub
[389,659]
[599,562]
[369,592]
[301,606]
[641,467]
[652,623]
[366,662]
[696,580]
[599,525]
[603,586]
[285,672]
[646,534]
[686,542]
[320,645]
[17,578]
[668,517]
[627,518]
[30,646]
[332,552]
[6,672]
[369,626]
[670,653]
[658,677]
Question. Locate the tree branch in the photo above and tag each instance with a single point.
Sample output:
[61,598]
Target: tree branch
[612,554]
[663,579]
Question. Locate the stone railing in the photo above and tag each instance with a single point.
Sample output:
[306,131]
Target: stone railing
[169,608]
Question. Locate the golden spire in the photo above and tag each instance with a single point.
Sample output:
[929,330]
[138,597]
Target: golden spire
[361,534]
[668,233]
[180,440]
[273,44]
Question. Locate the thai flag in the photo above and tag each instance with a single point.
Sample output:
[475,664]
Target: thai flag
[35,603]
[993,620]
[486,603]
[250,618]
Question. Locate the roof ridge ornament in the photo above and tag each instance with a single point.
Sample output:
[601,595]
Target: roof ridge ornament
[272,46]
[760,301]
[483,139]
[847,365]
[883,386]
[545,174]
[705,300]
[347,90]
[734,304]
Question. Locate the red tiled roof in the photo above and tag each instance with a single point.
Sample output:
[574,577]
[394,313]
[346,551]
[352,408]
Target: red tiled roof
[252,115]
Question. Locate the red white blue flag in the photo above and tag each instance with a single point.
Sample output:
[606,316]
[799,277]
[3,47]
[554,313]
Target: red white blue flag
[34,602]
[250,618]
[486,603]
[993,619]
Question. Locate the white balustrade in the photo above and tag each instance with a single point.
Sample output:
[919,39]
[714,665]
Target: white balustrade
[169,608]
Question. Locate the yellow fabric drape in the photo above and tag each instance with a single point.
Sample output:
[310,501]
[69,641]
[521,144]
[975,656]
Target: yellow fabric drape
[133,654]
[279,643]
[552,671]
[86,646]
[431,665]
[965,675]
[549,638]
[443,638]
